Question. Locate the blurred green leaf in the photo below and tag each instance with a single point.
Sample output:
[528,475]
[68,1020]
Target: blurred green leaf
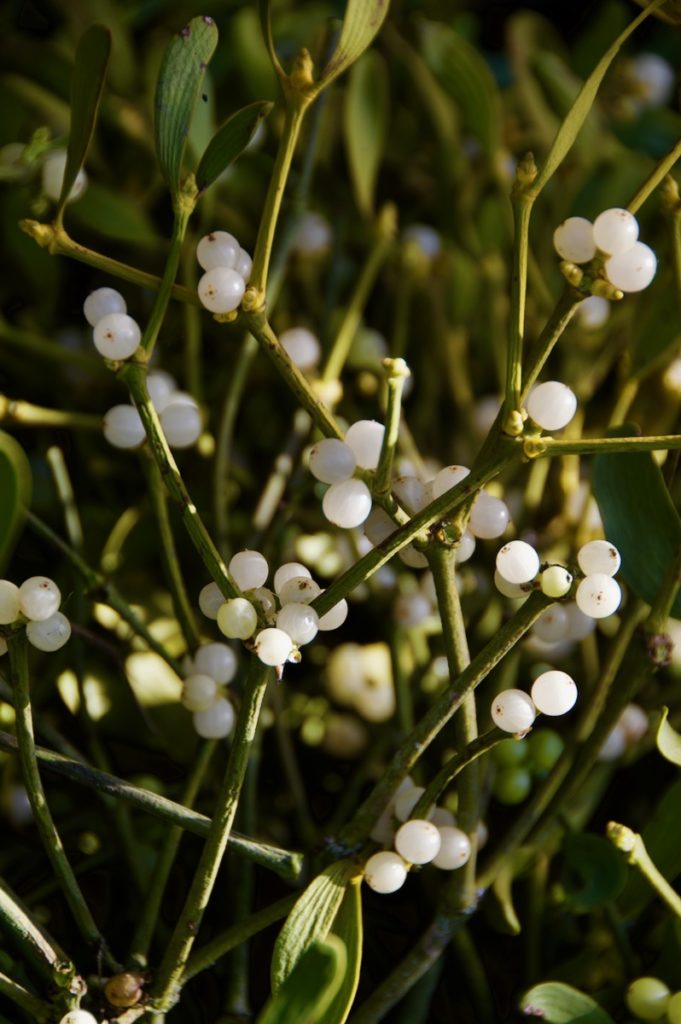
[361,23]
[557,1003]
[177,89]
[264,9]
[639,517]
[348,928]
[465,76]
[87,83]
[304,996]
[113,215]
[365,125]
[661,840]
[230,141]
[312,918]
[668,739]
[15,493]
[596,871]
[671,13]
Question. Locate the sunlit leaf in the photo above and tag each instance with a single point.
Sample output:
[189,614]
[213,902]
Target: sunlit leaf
[230,141]
[306,993]
[365,125]
[361,23]
[668,739]
[557,1003]
[347,926]
[15,493]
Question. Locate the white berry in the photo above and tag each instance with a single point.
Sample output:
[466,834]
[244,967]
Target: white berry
[633,270]
[410,492]
[598,595]
[199,692]
[447,478]
[218,249]
[593,312]
[441,817]
[243,265]
[378,526]
[599,556]
[161,387]
[554,692]
[215,722]
[634,723]
[574,240]
[385,872]
[332,461]
[579,624]
[489,517]
[406,800]
[216,660]
[513,711]
[615,230]
[299,590]
[347,504]
[116,336]
[9,602]
[287,572]
[655,76]
[249,569]
[552,625]
[465,548]
[517,562]
[39,598]
[512,590]
[123,427]
[53,177]
[237,618]
[221,290]
[551,405]
[313,234]
[101,302]
[425,237]
[78,1017]
[49,634]
[302,347]
[273,646]
[300,622]
[418,841]
[455,849]
[335,616]
[181,420]
[211,599]
[365,437]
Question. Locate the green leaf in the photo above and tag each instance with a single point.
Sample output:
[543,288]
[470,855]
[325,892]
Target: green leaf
[113,215]
[230,141]
[467,79]
[264,9]
[597,872]
[312,918]
[348,928]
[557,1003]
[365,125]
[87,83]
[639,518]
[660,837]
[668,740]
[306,993]
[177,89]
[15,493]
[362,21]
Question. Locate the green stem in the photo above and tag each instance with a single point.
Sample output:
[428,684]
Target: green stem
[473,970]
[98,587]
[30,1004]
[141,942]
[671,206]
[207,955]
[283,862]
[587,446]
[39,949]
[560,317]
[522,211]
[18,653]
[193,322]
[24,414]
[183,212]
[633,846]
[58,243]
[397,372]
[655,178]
[181,602]
[168,978]
[455,765]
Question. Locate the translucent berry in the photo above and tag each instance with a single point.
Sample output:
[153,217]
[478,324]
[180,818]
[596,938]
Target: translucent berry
[302,346]
[181,420]
[574,240]
[647,998]
[199,692]
[554,692]
[335,616]
[410,492]
[512,590]
[593,312]
[123,427]
[406,800]
[466,548]
[447,478]
[237,618]
[634,723]
[599,556]
[39,598]
[78,1017]
[216,660]
[555,581]
[49,634]
[216,722]
[53,177]
[633,270]
[552,625]
[273,646]
[579,624]
[378,526]
[551,405]
[313,234]
[347,504]
[221,290]
[116,336]
[287,572]
[332,461]
[655,77]
[412,557]
[101,302]
[513,711]
[385,872]
[299,590]
[517,562]
[455,849]
[615,230]
[244,265]
[161,387]
[249,569]
[441,818]
[9,602]
[418,841]
[300,622]
[510,752]
[598,595]
[211,600]
[218,249]
[489,517]
[365,437]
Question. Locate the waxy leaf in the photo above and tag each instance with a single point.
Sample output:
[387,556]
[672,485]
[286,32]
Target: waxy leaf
[307,992]
[312,918]
[348,928]
[362,21]
[15,493]
[668,740]
[230,141]
[557,1003]
[365,124]
[639,518]
[87,83]
[177,89]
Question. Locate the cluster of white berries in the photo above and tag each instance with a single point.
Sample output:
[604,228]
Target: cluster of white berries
[228,268]
[359,676]
[434,840]
[211,669]
[629,265]
[292,623]
[38,600]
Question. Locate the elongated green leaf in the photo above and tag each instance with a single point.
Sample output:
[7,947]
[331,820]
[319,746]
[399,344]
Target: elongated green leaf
[362,21]
[597,873]
[15,493]
[662,843]
[114,215]
[89,71]
[579,111]
[311,918]
[639,518]
[466,78]
[305,995]
[668,740]
[347,927]
[557,1003]
[230,141]
[365,125]
[177,89]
